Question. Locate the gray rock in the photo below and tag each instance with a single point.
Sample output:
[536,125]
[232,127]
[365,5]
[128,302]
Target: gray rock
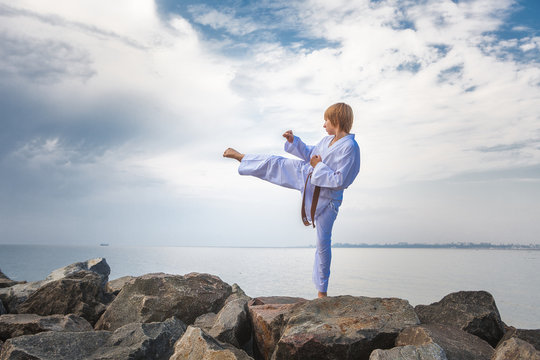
[142,341]
[114,286]
[343,327]
[429,351]
[205,321]
[17,294]
[52,345]
[456,343]
[98,266]
[156,297]
[80,293]
[532,336]
[13,325]
[133,341]
[12,296]
[195,344]
[516,349]
[231,324]
[471,311]
[267,315]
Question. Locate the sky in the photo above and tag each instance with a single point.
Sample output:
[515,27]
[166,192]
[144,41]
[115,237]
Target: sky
[114,117]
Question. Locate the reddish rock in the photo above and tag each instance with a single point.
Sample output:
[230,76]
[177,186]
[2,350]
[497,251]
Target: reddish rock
[532,336]
[267,319]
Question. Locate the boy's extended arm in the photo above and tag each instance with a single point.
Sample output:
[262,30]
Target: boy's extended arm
[341,177]
[298,148]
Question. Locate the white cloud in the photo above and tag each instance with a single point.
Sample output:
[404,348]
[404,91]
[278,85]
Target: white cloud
[429,88]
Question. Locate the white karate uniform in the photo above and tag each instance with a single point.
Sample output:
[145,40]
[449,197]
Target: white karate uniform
[339,167]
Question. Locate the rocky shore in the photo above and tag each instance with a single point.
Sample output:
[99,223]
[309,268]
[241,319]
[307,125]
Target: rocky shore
[77,313]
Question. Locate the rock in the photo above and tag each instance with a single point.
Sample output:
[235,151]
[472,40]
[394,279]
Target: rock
[471,311]
[133,341]
[197,345]
[156,297]
[456,343]
[231,324]
[267,315]
[14,325]
[531,336]
[516,349]
[12,296]
[343,327]
[205,321]
[17,294]
[429,351]
[80,293]
[142,341]
[114,286]
[2,308]
[98,266]
[6,282]
[52,345]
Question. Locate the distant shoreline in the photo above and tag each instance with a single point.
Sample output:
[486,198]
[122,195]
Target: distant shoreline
[401,245]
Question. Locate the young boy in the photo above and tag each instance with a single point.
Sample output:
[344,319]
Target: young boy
[322,174]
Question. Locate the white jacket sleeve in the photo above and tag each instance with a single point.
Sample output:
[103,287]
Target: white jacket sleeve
[342,176]
[299,149]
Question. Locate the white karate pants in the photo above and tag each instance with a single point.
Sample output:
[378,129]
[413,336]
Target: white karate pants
[292,173]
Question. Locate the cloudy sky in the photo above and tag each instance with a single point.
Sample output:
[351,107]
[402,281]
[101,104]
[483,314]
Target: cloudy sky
[115,115]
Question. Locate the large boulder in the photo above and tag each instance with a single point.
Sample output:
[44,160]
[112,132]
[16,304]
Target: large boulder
[156,297]
[80,293]
[13,325]
[98,266]
[343,327]
[231,324]
[456,343]
[472,311]
[195,344]
[429,351]
[134,341]
[14,295]
[532,336]
[267,315]
[18,293]
[516,349]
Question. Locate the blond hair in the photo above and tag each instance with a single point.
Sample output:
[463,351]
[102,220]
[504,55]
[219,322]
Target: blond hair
[340,115]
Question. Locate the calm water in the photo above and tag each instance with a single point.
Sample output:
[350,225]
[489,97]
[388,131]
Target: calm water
[421,276]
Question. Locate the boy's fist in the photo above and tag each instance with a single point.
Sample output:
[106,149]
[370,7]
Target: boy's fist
[315,159]
[289,136]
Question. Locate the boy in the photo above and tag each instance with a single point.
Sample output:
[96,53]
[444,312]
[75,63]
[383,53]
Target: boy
[322,174]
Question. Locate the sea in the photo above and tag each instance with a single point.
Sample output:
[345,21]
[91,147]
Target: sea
[421,276]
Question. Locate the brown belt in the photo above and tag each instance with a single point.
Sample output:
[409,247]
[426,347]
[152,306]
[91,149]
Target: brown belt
[314,202]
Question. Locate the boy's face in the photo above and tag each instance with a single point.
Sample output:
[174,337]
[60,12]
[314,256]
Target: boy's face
[330,129]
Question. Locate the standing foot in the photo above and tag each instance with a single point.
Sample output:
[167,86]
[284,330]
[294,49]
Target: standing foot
[321,294]
[233,154]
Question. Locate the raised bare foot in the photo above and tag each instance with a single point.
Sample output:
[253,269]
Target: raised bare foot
[233,154]
[321,294]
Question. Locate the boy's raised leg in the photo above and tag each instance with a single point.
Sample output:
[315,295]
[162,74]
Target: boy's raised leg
[233,154]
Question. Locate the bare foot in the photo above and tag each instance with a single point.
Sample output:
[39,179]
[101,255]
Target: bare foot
[233,154]
[321,294]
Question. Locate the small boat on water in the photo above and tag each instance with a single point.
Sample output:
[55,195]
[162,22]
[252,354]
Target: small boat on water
[103,244]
